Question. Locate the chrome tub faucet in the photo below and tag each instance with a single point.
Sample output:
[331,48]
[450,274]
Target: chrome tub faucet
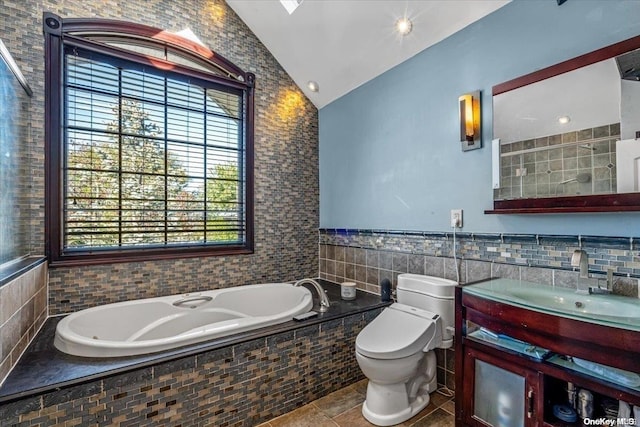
[324,300]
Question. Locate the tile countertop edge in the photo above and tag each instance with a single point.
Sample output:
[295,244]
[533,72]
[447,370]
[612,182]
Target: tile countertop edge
[20,267]
[24,366]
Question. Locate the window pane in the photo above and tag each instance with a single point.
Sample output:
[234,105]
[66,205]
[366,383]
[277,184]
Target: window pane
[222,132]
[186,221]
[142,226]
[82,240]
[148,87]
[223,103]
[92,184]
[185,160]
[185,125]
[88,74]
[90,208]
[220,228]
[182,205]
[220,161]
[138,46]
[92,151]
[181,188]
[140,155]
[137,239]
[222,195]
[191,237]
[150,159]
[186,95]
[148,219]
[142,118]
[139,188]
[179,58]
[91,110]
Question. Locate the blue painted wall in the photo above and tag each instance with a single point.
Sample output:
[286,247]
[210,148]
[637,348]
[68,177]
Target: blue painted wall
[390,154]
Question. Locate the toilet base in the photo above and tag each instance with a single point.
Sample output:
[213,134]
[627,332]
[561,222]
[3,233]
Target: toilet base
[387,405]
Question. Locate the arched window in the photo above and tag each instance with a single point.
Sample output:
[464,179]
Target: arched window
[149,143]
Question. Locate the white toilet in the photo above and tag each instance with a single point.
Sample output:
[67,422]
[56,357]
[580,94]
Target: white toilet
[395,350]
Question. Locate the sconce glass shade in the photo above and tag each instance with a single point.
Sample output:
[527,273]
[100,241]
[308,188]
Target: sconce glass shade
[466,117]
[470,130]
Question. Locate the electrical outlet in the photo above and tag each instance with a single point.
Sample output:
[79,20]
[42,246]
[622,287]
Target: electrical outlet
[456,218]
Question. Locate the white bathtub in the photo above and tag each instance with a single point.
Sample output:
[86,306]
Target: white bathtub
[155,324]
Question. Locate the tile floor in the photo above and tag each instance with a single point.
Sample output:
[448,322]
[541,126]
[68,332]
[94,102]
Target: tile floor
[344,408]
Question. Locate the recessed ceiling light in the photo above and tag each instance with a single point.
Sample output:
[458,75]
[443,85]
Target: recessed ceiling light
[404,26]
[313,86]
[564,119]
[291,5]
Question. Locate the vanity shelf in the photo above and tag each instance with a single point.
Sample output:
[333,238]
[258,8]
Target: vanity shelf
[540,384]
[627,202]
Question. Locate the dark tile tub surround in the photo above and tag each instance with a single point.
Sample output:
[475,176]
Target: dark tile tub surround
[23,310]
[242,380]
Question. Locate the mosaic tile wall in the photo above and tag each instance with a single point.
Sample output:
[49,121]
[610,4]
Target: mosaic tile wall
[241,385]
[369,256]
[286,156]
[546,167]
[23,310]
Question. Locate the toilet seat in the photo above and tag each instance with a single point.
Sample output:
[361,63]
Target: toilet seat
[399,331]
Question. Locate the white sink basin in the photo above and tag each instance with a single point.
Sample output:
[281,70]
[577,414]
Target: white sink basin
[610,310]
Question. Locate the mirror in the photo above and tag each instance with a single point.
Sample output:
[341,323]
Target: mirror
[568,131]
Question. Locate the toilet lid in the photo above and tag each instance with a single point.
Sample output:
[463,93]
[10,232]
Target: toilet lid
[399,331]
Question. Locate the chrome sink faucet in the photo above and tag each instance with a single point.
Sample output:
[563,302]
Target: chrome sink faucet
[609,286]
[324,300]
[581,259]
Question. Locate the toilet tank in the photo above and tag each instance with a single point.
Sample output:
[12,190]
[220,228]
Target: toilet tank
[433,294]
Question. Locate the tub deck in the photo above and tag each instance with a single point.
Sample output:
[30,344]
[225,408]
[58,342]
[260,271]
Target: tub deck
[43,368]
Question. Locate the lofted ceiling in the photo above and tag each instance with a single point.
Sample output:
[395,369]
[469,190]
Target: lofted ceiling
[342,44]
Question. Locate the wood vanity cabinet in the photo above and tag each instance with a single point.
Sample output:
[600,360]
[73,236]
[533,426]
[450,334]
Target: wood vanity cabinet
[500,387]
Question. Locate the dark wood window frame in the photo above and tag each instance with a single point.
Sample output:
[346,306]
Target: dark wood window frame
[80,33]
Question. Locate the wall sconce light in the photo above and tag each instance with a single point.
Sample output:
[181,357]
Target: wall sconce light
[470,121]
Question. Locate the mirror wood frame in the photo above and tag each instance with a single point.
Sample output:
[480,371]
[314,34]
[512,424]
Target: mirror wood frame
[614,202]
